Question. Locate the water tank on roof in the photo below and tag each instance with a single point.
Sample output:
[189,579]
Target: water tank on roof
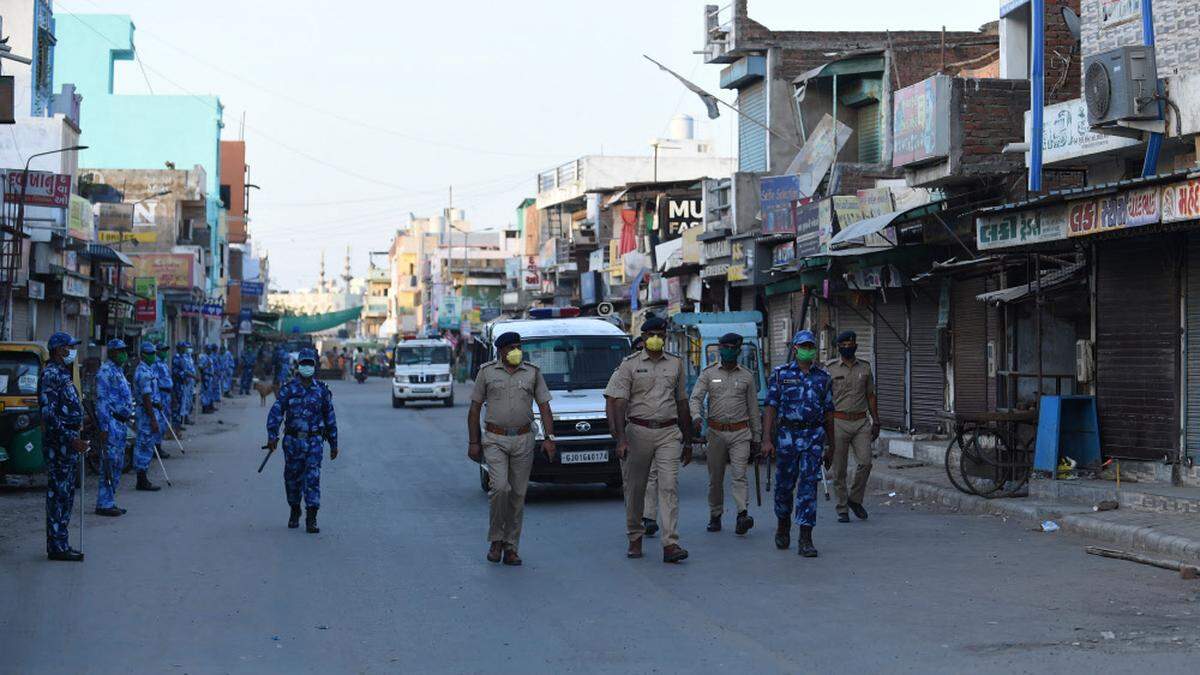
[683,128]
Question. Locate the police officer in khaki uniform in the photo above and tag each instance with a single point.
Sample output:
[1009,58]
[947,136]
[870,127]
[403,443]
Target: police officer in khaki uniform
[734,429]
[853,397]
[648,393]
[508,386]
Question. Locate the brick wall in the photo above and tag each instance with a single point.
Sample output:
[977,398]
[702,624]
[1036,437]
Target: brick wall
[1062,68]
[1176,25]
[991,117]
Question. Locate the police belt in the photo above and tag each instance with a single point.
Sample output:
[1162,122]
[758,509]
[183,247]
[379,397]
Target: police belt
[797,424]
[728,426]
[653,424]
[506,431]
[850,416]
[304,435]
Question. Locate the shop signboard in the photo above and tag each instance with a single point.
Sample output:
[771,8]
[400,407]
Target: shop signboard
[79,219]
[808,229]
[716,248]
[1021,227]
[847,209]
[252,289]
[189,310]
[212,310]
[245,322]
[674,295]
[1181,201]
[36,290]
[75,286]
[117,237]
[875,202]
[825,222]
[1143,207]
[683,214]
[738,259]
[1067,134]
[783,254]
[921,127]
[776,195]
[714,270]
[1082,218]
[172,270]
[41,188]
[146,308]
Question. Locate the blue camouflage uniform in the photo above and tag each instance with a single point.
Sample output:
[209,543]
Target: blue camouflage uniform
[306,413]
[280,362]
[62,418]
[207,371]
[230,364]
[802,402]
[215,375]
[145,383]
[114,408]
[183,374]
[166,387]
[247,371]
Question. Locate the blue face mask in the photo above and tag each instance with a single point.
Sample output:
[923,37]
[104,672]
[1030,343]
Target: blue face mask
[307,370]
[70,357]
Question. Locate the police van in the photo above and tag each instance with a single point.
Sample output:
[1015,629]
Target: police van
[576,355]
[421,372]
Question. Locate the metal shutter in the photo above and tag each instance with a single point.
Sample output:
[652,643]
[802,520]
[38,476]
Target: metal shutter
[868,134]
[1192,440]
[20,325]
[1137,346]
[968,324]
[752,139]
[779,314]
[891,328]
[927,381]
[858,319]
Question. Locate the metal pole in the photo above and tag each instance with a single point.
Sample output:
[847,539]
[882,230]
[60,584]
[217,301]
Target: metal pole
[1037,96]
[1154,146]
[1037,271]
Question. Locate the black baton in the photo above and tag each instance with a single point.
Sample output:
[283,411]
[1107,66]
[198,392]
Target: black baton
[264,462]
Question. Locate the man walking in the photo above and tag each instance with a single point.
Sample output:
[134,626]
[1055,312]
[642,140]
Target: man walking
[162,371]
[304,407]
[734,429]
[114,409]
[62,418]
[508,386]
[145,385]
[797,420]
[650,421]
[853,398]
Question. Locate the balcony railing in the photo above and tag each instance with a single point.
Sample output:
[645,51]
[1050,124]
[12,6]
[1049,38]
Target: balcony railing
[559,176]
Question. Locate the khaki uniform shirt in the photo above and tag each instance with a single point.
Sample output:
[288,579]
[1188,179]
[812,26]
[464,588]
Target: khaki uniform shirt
[851,385]
[509,397]
[651,386]
[731,397]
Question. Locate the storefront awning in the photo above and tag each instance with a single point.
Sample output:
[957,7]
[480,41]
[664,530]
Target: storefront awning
[1017,293]
[106,254]
[876,224]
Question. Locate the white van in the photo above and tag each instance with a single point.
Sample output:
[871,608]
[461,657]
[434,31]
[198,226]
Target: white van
[422,372]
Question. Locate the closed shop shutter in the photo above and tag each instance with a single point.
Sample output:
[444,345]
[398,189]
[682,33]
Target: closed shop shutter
[20,320]
[869,147]
[779,314]
[927,390]
[890,370]
[752,139]
[858,319]
[1137,346]
[968,325]
[1193,346]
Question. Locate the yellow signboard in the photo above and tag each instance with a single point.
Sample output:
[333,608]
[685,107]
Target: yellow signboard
[114,237]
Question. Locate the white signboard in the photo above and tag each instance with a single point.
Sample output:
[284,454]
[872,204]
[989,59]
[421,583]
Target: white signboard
[1066,134]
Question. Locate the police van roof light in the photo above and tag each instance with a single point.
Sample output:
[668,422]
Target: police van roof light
[554,312]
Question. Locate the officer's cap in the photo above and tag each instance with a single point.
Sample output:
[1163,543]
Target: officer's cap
[653,323]
[61,339]
[115,344]
[847,335]
[803,337]
[307,354]
[506,339]
[149,348]
[731,339]
[164,348]
[182,344]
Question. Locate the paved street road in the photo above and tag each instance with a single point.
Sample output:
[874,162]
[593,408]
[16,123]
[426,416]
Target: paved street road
[205,578]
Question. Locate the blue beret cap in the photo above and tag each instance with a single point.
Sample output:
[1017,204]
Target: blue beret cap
[804,336]
[307,354]
[506,339]
[61,339]
[149,348]
[116,343]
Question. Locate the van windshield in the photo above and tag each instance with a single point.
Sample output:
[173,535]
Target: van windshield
[422,356]
[576,362]
[19,373]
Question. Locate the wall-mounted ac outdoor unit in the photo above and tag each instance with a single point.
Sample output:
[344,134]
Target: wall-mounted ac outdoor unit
[1120,84]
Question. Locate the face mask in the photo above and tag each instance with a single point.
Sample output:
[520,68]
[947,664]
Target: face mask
[654,343]
[120,358]
[729,354]
[307,370]
[847,352]
[149,358]
[189,351]
[513,357]
[806,353]
[70,357]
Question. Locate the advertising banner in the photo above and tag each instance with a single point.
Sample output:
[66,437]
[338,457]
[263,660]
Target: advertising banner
[172,270]
[783,254]
[1082,218]
[253,289]
[1181,201]
[79,219]
[41,189]
[146,308]
[776,195]
[808,229]
[683,214]
[922,120]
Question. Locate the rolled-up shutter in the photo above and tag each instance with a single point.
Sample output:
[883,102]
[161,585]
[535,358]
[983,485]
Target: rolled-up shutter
[1192,429]
[752,138]
[779,314]
[20,320]
[1137,346]
[968,325]
[891,327]
[927,389]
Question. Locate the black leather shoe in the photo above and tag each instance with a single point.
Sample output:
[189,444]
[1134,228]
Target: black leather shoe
[744,523]
[294,518]
[310,521]
[511,558]
[843,517]
[144,484]
[111,512]
[674,554]
[783,534]
[69,555]
[859,511]
[714,524]
[651,526]
[805,548]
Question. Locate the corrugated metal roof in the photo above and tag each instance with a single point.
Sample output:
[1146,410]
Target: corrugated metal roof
[1069,194]
[1049,280]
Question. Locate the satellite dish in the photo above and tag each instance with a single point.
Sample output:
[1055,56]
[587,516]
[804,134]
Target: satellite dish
[1072,21]
[604,309]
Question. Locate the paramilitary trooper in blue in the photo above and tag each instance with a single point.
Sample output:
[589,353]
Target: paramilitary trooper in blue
[114,409]
[145,393]
[304,406]
[246,376]
[797,420]
[229,367]
[62,420]
[166,387]
[183,372]
[207,367]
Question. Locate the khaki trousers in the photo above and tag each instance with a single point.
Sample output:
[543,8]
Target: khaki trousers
[732,447]
[509,461]
[659,449]
[650,510]
[851,435]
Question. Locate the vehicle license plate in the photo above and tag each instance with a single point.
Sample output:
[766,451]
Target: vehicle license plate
[588,457]
[425,390]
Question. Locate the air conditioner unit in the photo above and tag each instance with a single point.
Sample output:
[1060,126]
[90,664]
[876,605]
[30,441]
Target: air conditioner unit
[1120,85]
[1085,361]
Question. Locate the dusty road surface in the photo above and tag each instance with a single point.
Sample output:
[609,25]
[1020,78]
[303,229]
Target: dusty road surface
[204,577]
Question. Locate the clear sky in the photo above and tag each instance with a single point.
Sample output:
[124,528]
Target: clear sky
[358,113]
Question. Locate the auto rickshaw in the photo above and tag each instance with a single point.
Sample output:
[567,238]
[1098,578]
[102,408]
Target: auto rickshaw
[20,414]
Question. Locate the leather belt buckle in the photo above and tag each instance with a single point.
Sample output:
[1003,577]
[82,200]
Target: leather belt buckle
[729,426]
[653,424]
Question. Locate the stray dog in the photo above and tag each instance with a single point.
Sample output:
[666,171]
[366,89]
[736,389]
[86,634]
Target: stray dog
[264,390]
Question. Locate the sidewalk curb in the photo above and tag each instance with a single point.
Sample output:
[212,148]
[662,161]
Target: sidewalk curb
[1141,537]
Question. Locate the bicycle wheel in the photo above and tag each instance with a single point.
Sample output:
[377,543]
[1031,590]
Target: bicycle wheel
[983,465]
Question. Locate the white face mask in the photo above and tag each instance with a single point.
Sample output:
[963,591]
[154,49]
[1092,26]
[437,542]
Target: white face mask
[307,370]
[70,357]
